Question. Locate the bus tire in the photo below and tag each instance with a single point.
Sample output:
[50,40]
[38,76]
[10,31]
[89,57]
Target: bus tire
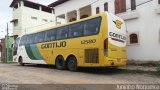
[72,63]
[60,63]
[21,61]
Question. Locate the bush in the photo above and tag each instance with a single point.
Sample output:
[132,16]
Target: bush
[158,70]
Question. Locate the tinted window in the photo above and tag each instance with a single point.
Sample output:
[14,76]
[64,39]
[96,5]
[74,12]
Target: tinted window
[76,30]
[17,42]
[50,35]
[31,39]
[40,37]
[92,26]
[26,41]
[23,40]
[62,33]
[16,46]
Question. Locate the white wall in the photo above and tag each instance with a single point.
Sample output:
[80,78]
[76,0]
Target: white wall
[17,15]
[28,25]
[71,5]
[31,25]
[148,27]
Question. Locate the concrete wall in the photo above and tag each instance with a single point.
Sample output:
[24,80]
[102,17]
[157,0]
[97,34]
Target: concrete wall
[71,6]
[147,25]
[9,47]
[28,25]
[3,53]
[31,25]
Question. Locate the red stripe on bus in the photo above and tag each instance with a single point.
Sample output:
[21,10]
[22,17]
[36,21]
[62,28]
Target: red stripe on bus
[117,40]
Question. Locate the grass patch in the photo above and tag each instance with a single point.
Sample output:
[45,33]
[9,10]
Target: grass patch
[157,73]
[8,62]
[143,63]
[11,62]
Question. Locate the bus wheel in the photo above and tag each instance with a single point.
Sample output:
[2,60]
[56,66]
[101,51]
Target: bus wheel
[21,61]
[72,64]
[60,63]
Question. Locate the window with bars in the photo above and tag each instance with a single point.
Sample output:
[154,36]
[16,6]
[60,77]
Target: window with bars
[120,6]
[106,6]
[133,4]
[133,38]
[97,10]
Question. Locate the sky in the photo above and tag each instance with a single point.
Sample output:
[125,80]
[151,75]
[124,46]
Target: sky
[6,14]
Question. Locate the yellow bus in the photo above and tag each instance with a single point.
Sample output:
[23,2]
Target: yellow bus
[96,41]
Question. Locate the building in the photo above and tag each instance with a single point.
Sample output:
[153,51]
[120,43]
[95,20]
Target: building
[4,47]
[30,17]
[3,50]
[142,19]
[0,50]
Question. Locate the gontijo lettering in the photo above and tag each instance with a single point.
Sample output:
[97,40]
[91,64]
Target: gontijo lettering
[54,45]
[117,37]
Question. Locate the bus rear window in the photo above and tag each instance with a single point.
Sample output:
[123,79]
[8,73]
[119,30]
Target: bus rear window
[91,27]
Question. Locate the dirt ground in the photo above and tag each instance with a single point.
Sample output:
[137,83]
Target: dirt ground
[40,74]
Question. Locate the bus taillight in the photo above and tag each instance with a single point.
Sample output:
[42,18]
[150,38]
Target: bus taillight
[106,43]
[106,47]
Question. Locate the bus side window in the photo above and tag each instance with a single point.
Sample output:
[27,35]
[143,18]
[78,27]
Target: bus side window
[20,42]
[91,27]
[27,40]
[75,30]
[23,40]
[50,35]
[17,42]
[40,37]
[31,38]
[62,33]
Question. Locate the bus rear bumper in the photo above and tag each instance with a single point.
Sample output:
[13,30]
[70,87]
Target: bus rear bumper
[115,62]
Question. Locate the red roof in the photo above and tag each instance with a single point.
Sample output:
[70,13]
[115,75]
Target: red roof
[56,3]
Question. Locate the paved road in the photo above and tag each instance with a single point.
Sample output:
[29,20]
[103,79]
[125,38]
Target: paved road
[34,74]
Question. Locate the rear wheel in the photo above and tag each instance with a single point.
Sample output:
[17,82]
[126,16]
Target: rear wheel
[21,61]
[60,63]
[72,64]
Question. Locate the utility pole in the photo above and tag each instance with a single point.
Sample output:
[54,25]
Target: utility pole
[7,44]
